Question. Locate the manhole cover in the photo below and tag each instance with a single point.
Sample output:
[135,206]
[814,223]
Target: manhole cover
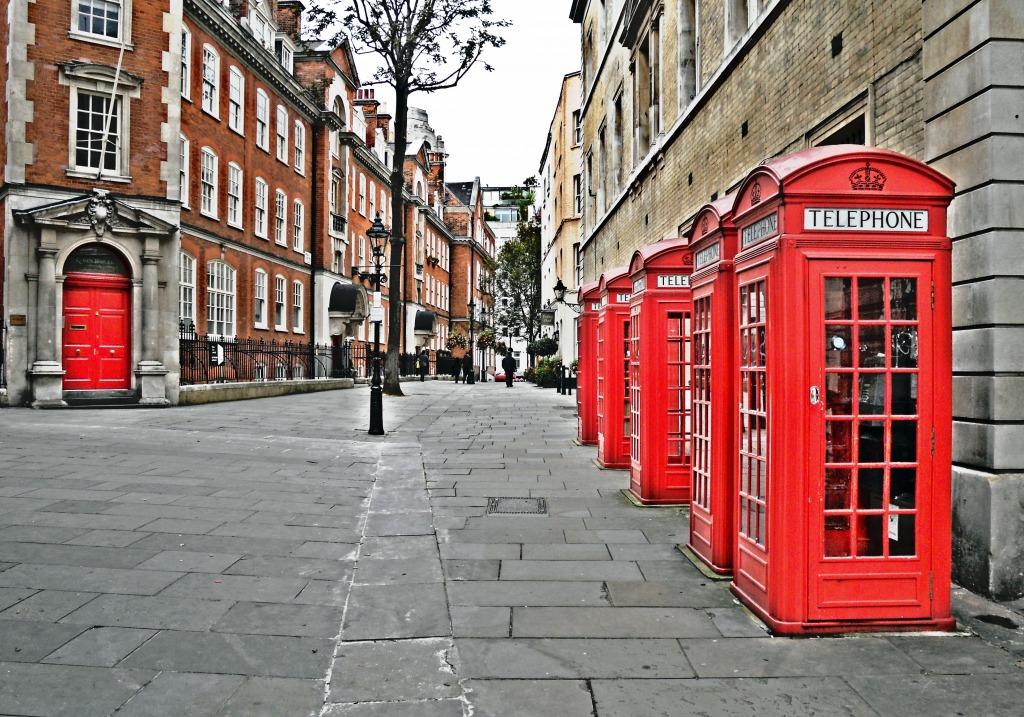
[531,506]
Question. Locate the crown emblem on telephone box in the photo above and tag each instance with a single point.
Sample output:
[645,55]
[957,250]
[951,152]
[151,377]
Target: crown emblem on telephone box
[867,178]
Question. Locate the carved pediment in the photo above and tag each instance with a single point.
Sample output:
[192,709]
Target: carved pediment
[98,212]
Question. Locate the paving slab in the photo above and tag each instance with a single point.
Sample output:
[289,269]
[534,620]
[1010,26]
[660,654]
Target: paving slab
[297,620]
[156,612]
[383,571]
[224,653]
[509,593]
[786,697]
[273,696]
[412,708]
[624,622]
[389,612]
[930,695]
[672,593]
[100,647]
[545,659]
[391,671]
[47,606]
[27,641]
[236,587]
[517,698]
[821,657]
[585,570]
[67,691]
[472,621]
[173,694]
[85,579]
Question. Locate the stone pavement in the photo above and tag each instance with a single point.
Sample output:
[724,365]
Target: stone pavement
[268,558]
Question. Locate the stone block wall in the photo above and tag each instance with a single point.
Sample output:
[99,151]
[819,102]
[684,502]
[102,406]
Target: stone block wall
[973,69]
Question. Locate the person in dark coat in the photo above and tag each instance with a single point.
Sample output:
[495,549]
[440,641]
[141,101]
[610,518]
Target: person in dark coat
[456,367]
[467,366]
[422,363]
[509,366]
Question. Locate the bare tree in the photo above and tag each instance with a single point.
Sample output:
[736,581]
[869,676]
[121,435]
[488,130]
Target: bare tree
[423,46]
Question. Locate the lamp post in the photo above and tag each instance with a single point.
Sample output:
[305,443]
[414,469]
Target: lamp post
[471,378]
[378,236]
[560,290]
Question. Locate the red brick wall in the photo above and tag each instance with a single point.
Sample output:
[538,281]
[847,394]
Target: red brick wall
[49,132]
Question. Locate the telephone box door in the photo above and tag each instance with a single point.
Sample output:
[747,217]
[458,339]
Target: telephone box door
[871,329]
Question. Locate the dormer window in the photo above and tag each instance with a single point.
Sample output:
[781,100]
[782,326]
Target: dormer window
[262,28]
[285,53]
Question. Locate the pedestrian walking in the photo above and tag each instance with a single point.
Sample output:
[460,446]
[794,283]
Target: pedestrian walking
[456,367]
[422,363]
[508,365]
[467,366]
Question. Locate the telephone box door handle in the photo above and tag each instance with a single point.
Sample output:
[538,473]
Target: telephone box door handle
[815,395]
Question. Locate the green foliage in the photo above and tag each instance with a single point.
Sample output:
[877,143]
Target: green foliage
[544,346]
[530,374]
[546,372]
[517,282]
[575,365]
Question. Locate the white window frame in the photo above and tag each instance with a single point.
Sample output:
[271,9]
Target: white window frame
[298,292]
[282,134]
[211,81]
[300,147]
[362,194]
[183,160]
[373,201]
[383,206]
[186,289]
[97,82]
[280,303]
[235,207]
[262,120]
[124,24]
[298,225]
[186,63]
[281,218]
[220,298]
[260,194]
[236,100]
[259,293]
[208,170]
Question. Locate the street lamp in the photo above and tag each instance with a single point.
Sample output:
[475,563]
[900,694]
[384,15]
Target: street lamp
[378,236]
[471,378]
[560,290]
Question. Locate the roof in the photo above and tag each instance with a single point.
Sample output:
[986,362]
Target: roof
[463,191]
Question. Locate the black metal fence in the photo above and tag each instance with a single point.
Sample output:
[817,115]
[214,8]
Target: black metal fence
[218,359]
[3,354]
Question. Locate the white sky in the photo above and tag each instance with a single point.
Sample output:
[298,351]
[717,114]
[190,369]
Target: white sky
[495,124]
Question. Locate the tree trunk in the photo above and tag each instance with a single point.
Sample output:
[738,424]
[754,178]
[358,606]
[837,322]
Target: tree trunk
[392,385]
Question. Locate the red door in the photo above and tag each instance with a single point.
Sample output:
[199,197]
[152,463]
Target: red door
[871,496]
[97,331]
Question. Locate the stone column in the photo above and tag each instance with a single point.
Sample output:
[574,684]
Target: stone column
[151,372]
[46,372]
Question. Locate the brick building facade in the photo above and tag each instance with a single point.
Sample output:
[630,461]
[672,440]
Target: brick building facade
[189,167]
[682,98]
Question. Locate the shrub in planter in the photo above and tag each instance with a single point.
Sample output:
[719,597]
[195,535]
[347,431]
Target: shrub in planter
[546,374]
[543,346]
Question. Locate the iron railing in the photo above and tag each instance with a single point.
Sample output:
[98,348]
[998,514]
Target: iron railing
[220,359]
[3,354]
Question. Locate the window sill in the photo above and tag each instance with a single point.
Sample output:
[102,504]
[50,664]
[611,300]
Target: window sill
[211,114]
[258,325]
[209,216]
[300,172]
[240,131]
[239,227]
[100,40]
[261,236]
[87,174]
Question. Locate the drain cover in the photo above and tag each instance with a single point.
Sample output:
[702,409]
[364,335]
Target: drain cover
[530,506]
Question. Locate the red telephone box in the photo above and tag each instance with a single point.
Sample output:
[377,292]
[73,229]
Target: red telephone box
[660,377]
[713,505]
[586,371]
[613,410]
[844,330]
